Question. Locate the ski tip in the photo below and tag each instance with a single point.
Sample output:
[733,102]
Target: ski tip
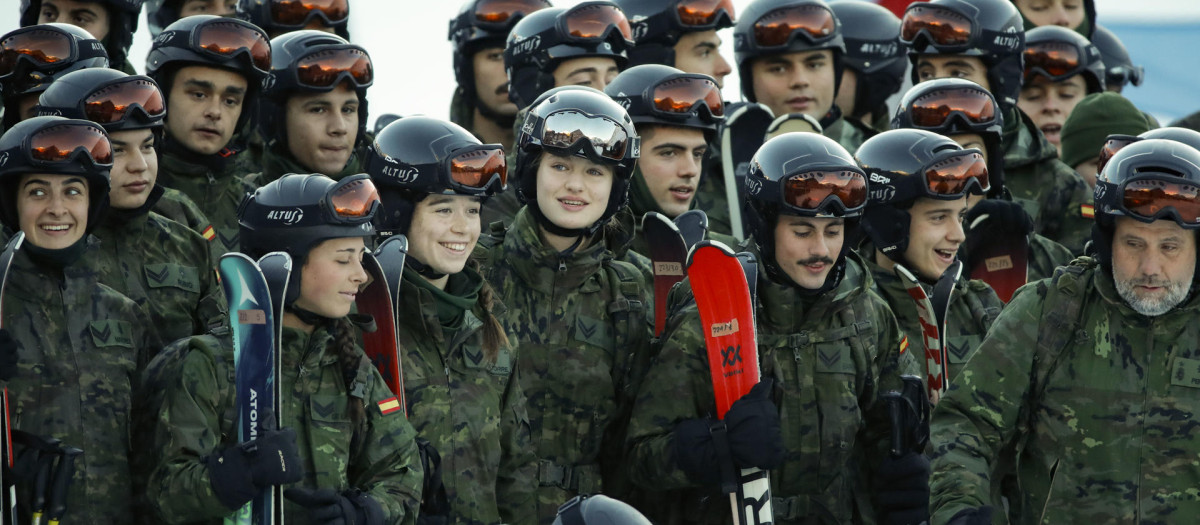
[655,218]
[15,242]
[283,259]
[396,242]
[709,245]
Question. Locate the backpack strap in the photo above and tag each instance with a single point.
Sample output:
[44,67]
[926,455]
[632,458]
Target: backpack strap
[627,308]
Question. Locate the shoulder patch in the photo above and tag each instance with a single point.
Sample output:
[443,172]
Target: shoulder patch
[165,275]
[110,333]
[389,405]
[1087,211]
[903,345]
[209,233]
[593,331]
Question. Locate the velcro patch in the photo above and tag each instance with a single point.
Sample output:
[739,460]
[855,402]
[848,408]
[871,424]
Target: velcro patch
[110,333]
[209,233]
[1186,372]
[389,405]
[1087,211]
[164,275]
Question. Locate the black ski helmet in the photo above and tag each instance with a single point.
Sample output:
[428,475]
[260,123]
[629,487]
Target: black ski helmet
[1055,39]
[871,33]
[72,97]
[122,24]
[287,53]
[416,156]
[634,89]
[922,103]
[778,169]
[28,73]
[991,30]
[1118,66]
[541,41]
[474,29]
[278,17]
[746,46]
[89,156]
[556,124]
[1187,136]
[659,24]
[897,161]
[598,509]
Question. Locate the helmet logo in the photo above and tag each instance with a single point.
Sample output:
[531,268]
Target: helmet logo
[879,179]
[163,38]
[268,82]
[1010,40]
[527,46]
[753,186]
[881,194]
[530,123]
[288,217]
[878,49]
[640,29]
[3,159]
[97,46]
[401,175]
[608,46]
[1099,192]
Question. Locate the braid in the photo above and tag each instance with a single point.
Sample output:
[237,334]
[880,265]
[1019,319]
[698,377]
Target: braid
[348,357]
[494,337]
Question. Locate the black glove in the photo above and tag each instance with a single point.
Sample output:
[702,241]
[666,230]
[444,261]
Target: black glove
[902,489]
[755,435]
[1003,217]
[326,507]
[10,350]
[240,472]
[979,516]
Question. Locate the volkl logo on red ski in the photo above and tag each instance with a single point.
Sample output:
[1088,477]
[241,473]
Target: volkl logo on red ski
[724,329]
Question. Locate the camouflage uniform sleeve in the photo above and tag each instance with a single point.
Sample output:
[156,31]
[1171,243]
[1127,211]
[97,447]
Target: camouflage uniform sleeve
[388,466]
[895,356]
[979,414]
[213,310]
[1044,256]
[1072,229]
[516,482]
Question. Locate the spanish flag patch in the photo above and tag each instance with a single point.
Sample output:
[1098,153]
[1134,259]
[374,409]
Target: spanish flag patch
[903,345]
[1088,211]
[208,234]
[389,405]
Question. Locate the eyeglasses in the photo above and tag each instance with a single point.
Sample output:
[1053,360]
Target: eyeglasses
[62,144]
[499,13]
[227,38]
[353,199]
[325,68]
[944,28]
[479,170]
[41,46]
[297,13]
[1155,197]
[566,130]
[1053,60]
[699,14]
[956,174]
[111,104]
[826,191]
[596,22]
[1111,146]
[682,94]
[775,29]
[935,108]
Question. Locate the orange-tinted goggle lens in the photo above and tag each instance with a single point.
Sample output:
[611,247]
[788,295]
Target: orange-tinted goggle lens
[58,143]
[809,191]
[501,11]
[297,12]
[703,13]
[110,104]
[1149,198]
[932,109]
[323,68]
[227,38]
[954,175]
[1054,58]
[477,169]
[680,95]
[777,27]
[608,139]
[944,27]
[40,45]
[1111,147]
[355,198]
[594,21]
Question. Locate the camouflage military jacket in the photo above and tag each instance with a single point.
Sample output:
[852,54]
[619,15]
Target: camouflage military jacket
[277,162]
[217,193]
[1044,256]
[581,344]
[191,426]
[1053,194]
[1100,405]
[166,268]
[849,134]
[82,344]
[178,207]
[471,410]
[831,356]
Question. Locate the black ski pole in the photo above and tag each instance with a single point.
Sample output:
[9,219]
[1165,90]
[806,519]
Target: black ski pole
[62,481]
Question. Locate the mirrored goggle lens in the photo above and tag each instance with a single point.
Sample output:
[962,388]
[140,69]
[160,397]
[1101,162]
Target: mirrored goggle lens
[39,45]
[478,168]
[680,95]
[58,143]
[298,12]
[1111,146]
[944,27]
[811,190]
[324,68]
[1054,58]
[594,21]
[111,103]
[777,27]
[1151,198]
[957,174]
[228,38]
[932,109]
[355,198]
[608,139]
[501,11]
[703,13]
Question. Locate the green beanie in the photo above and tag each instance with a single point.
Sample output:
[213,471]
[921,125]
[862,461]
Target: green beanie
[1095,118]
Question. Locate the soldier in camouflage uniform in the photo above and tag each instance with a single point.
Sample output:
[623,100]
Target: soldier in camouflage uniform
[1089,378]
[345,447]
[578,315]
[72,346]
[907,224]
[114,30]
[158,262]
[211,99]
[828,344]
[460,379]
[29,74]
[1055,196]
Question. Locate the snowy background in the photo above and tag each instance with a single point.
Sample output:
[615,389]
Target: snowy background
[407,41]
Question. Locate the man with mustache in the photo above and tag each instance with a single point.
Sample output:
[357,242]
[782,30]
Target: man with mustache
[1090,376]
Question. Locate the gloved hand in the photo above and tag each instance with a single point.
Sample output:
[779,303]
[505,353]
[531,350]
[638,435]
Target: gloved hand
[979,516]
[326,507]
[240,472]
[1003,216]
[10,350]
[755,435]
[902,489]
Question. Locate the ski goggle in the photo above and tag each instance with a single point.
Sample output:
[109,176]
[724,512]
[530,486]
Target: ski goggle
[63,144]
[479,170]
[499,13]
[944,28]
[113,103]
[934,109]
[775,29]
[1052,59]
[1111,146]
[1157,196]
[566,130]
[685,94]
[594,22]
[1121,75]
[957,174]
[227,37]
[325,68]
[703,14]
[298,13]
[825,190]
[41,46]
[353,199]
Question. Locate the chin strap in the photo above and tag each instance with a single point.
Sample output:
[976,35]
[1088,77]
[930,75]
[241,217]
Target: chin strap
[307,317]
[423,269]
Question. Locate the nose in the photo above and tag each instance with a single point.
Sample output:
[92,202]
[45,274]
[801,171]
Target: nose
[1060,16]
[574,181]
[690,166]
[1051,104]
[360,274]
[340,124]
[956,233]
[212,110]
[136,161]
[820,248]
[1151,265]
[721,69]
[799,78]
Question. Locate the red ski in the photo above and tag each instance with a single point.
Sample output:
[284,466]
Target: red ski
[381,300]
[668,254]
[1004,264]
